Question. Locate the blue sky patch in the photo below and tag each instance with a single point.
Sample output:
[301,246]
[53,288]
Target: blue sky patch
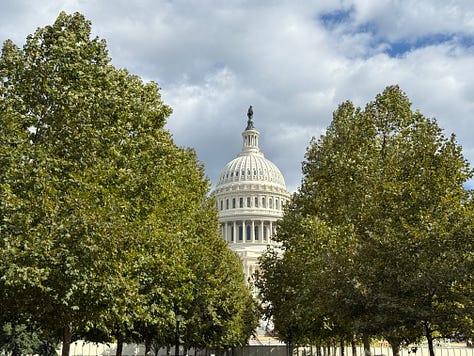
[333,19]
[401,47]
[342,19]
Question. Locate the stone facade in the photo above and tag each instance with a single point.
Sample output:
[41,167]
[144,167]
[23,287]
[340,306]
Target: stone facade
[250,196]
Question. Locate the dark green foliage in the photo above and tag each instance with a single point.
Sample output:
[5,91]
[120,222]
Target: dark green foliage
[100,211]
[379,236]
[25,338]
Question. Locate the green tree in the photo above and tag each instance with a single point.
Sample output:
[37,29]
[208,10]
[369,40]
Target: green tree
[383,216]
[223,313]
[103,218]
[69,218]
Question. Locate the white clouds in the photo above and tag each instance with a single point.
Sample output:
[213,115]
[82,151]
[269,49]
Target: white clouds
[412,19]
[203,102]
[291,63]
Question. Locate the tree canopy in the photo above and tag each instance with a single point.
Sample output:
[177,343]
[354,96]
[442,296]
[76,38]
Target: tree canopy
[100,211]
[379,235]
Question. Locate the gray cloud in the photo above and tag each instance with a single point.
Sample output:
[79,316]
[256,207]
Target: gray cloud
[213,59]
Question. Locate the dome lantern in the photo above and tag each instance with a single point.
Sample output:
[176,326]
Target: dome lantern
[250,136]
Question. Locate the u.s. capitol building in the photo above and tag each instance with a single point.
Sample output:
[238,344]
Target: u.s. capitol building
[250,196]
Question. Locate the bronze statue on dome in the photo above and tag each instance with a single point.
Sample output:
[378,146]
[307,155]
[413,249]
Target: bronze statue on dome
[250,116]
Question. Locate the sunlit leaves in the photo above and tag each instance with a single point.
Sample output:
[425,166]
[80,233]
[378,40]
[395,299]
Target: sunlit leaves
[106,225]
[374,233]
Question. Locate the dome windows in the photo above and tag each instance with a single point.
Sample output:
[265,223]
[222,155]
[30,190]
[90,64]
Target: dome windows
[259,201]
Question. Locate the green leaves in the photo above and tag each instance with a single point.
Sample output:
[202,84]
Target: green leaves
[106,224]
[375,222]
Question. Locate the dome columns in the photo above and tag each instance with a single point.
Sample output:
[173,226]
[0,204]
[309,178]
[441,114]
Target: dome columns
[248,231]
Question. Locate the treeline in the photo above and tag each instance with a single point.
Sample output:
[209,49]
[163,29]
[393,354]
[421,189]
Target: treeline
[378,242]
[107,230]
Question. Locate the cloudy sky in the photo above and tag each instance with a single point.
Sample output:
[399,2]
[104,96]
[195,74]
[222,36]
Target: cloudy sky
[294,61]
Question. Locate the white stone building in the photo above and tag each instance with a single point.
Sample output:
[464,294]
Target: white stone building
[250,195]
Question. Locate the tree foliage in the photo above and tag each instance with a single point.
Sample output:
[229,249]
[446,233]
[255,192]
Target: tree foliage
[100,211]
[380,232]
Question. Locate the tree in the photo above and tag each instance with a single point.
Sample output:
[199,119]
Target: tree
[68,120]
[223,313]
[383,216]
[101,213]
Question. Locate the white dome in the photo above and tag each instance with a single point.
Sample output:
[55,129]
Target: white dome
[251,168]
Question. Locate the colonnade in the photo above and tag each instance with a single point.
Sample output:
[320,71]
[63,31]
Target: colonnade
[248,231]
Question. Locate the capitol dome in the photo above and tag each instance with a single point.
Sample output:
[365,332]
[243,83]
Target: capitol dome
[250,195]
[251,167]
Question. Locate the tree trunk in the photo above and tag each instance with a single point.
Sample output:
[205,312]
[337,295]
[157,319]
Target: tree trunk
[395,342]
[342,347]
[290,349]
[395,345]
[147,346]
[429,337]
[366,341]
[15,352]
[66,339]
[354,346]
[119,345]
